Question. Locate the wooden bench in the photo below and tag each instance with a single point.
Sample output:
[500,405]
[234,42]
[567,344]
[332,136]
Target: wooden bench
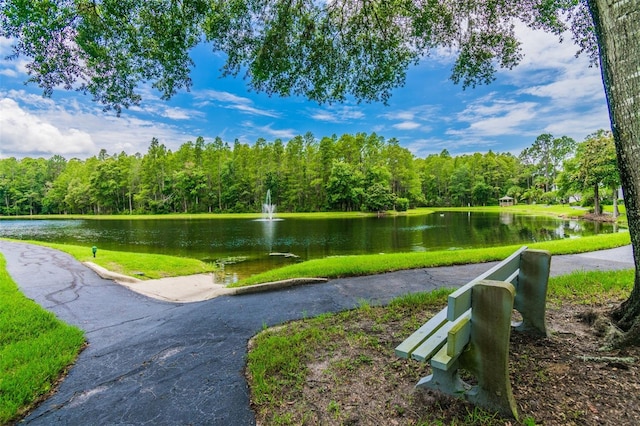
[473,331]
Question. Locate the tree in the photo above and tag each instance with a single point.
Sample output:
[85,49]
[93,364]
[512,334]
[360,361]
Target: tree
[345,186]
[595,165]
[547,154]
[327,51]
[378,196]
[460,186]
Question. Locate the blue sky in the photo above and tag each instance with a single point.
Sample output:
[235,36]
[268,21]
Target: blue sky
[551,91]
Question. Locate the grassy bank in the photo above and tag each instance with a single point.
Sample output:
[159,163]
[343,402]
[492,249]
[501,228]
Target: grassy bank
[335,267]
[151,266]
[317,367]
[35,349]
[140,265]
[213,216]
[528,209]
[157,266]
[558,210]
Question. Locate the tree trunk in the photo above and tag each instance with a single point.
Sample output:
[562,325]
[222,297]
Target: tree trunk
[616,211]
[596,200]
[617,24]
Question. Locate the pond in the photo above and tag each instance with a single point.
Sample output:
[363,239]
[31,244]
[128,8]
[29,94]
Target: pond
[251,246]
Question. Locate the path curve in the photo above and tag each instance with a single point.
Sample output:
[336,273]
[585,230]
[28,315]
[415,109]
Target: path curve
[151,362]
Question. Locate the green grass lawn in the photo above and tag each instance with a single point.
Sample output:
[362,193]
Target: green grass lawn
[35,349]
[140,265]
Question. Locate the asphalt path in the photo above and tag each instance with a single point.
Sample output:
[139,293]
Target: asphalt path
[161,363]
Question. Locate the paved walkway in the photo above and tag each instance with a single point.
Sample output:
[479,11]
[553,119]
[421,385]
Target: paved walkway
[160,363]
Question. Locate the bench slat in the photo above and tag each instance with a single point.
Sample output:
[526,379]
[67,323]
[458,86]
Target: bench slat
[460,300]
[513,278]
[438,339]
[442,361]
[458,337]
[406,348]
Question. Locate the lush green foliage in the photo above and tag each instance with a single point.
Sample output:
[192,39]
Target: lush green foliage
[35,348]
[324,51]
[304,174]
[350,173]
[544,159]
[594,166]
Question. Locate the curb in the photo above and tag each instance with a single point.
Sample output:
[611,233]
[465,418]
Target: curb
[105,273]
[231,291]
[275,285]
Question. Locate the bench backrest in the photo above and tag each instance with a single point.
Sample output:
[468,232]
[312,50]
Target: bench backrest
[459,301]
[527,270]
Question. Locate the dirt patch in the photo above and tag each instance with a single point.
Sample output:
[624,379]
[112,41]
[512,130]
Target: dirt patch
[599,217]
[565,379]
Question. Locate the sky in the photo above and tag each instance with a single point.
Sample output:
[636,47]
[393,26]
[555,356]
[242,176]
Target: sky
[551,91]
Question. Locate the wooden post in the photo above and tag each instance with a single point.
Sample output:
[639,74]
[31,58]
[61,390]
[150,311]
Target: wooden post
[531,291]
[487,356]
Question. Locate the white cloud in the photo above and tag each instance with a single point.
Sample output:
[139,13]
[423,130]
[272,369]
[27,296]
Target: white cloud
[324,116]
[23,133]
[155,106]
[252,110]
[491,116]
[413,118]
[180,113]
[337,114]
[231,101]
[30,99]
[400,115]
[550,91]
[281,134]
[8,72]
[406,125]
[215,95]
[550,69]
[579,124]
[12,68]
[425,112]
[254,131]
[570,90]
[423,147]
[31,125]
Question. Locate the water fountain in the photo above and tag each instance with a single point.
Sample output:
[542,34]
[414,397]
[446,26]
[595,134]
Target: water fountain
[268,209]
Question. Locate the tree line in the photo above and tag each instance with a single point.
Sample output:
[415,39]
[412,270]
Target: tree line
[347,173]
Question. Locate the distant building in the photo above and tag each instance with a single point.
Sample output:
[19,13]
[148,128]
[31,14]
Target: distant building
[506,201]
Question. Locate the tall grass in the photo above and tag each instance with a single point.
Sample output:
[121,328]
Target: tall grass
[35,349]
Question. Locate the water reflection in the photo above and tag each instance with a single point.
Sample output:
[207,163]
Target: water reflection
[245,246]
[268,230]
[506,218]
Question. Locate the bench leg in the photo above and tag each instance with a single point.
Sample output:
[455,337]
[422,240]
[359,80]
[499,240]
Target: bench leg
[445,381]
[487,357]
[531,292]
